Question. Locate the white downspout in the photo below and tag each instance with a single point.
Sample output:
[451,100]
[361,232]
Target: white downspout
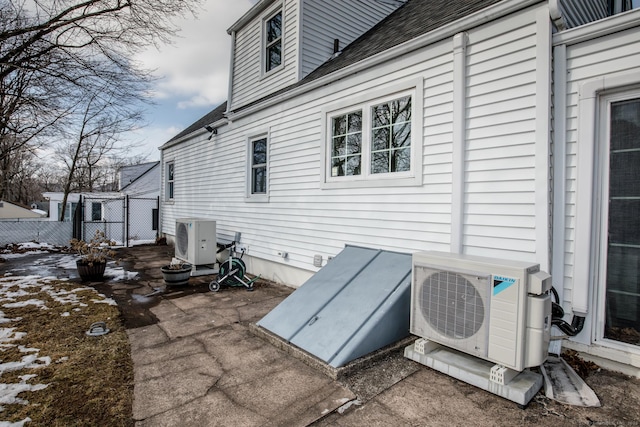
[543,140]
[559,169]
[459,131]
[232,61]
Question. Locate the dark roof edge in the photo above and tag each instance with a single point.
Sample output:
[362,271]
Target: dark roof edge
[213,118]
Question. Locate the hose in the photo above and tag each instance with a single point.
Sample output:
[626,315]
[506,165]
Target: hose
[557,313]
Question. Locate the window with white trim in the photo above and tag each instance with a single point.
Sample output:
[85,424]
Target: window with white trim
[258,166]
[620,227]
[273,42]
[170,180]
[373,141]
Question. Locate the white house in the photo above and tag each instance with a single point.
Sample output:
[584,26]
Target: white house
[132,211]
[141,180]
[14,211]
[506,129]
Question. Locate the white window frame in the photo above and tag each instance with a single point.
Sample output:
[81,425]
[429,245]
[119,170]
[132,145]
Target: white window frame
[587,287]
[364,103]
[266,44]
[170,182]
[250,195]
[602,209]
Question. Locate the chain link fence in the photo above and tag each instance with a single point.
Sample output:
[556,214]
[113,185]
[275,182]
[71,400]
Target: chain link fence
[142,220]
[35,230]
[125,220]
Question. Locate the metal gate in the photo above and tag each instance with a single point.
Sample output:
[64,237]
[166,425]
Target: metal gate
[123,219]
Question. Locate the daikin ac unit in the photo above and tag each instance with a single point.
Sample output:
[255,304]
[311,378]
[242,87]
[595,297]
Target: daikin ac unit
[196,241]
[496,310]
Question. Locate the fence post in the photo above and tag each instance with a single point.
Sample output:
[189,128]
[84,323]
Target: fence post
[127,220]
[77,217]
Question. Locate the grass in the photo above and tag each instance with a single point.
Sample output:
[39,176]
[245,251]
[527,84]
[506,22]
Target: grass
[89,380]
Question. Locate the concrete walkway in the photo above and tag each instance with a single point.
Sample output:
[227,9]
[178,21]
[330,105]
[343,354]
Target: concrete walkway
[200,366]
[197,363]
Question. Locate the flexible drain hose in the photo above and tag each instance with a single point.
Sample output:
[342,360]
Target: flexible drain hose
[557,313]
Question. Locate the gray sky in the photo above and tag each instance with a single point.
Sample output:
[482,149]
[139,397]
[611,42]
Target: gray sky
[193,73]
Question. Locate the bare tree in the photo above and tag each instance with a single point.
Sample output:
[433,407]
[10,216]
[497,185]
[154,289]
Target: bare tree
[57,54]
[107,113]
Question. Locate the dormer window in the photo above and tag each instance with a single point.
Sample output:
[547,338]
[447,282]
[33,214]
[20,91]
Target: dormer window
[273,42]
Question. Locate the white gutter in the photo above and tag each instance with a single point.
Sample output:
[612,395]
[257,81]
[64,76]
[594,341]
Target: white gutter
[491,13]
[616,23]
[251,13]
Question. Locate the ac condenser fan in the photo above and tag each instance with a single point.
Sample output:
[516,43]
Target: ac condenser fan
[451,305]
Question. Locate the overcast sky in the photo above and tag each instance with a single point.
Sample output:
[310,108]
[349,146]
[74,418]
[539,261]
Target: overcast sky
[193,73]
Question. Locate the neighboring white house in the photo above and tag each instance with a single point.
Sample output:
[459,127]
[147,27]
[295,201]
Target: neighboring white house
[506,129]
[141,180]
[55,205]
[10,210]
[132,211]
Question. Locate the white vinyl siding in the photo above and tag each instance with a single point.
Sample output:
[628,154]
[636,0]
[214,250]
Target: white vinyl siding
[499,208]
[304,219]
[348,20]
[249,83]
[609,56]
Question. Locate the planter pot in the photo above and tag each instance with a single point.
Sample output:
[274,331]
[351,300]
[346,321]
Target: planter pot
[91,272]
[173,276]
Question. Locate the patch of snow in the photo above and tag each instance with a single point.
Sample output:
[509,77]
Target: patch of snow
[109,301]
[6,319]
[119,273]
[17,424]
[9,334]
[18,304]
[35,245]
[30,361]
[141,242]
[9,392]
[347,405]
[24,349]
[67,261]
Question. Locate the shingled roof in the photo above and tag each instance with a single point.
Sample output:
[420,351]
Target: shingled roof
[411,20]
[211,117]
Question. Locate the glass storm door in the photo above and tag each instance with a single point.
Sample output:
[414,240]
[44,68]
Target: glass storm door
[622,300]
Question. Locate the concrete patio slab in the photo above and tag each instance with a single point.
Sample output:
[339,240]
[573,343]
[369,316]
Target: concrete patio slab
[201,364]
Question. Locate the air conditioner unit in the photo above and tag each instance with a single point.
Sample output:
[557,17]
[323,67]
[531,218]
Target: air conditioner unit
[496,310]
[196,241]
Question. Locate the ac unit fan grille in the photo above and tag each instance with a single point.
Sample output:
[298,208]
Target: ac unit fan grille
[182,239]
[451,305]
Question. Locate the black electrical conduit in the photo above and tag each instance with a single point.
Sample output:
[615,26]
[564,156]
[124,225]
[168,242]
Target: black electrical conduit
[557,313]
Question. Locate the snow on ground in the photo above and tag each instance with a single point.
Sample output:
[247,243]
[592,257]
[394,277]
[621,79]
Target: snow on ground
[21,291]
[19,250]
[113,272]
